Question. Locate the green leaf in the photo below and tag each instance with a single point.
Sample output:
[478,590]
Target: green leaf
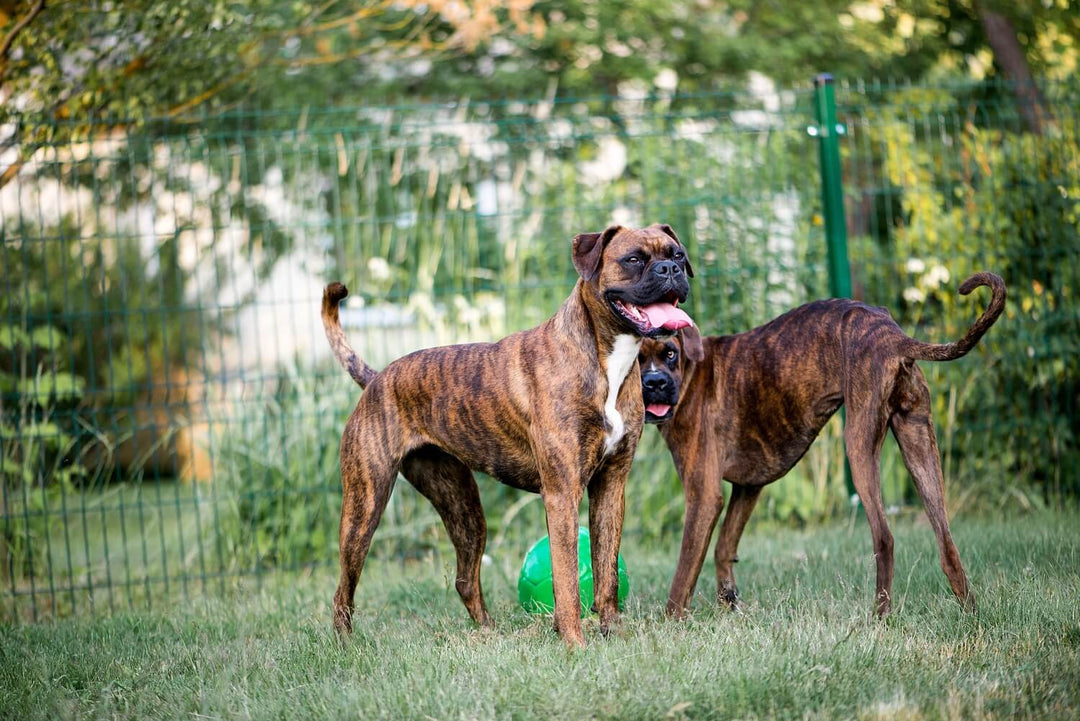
[43,430]
[11,336]
[58,386]
[70,473]
[46,336]
[13,468]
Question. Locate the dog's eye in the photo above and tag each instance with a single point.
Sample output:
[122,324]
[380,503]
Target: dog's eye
[679,255]
[671,354]
[633,260]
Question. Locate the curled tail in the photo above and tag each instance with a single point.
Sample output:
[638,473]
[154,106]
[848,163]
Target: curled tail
[951,351]
[360,371]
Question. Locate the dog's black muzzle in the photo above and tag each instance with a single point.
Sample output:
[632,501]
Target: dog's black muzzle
[668,286]
[665,281]
[658,389]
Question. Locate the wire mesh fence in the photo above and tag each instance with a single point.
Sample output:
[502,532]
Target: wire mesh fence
[170,410]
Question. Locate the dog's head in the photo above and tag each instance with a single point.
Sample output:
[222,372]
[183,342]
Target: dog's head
[664,363]
[640,275]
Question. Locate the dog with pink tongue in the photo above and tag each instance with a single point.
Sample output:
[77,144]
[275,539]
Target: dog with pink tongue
[555,410]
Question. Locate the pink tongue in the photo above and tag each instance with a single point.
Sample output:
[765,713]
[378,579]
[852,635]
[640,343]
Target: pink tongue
[658,409]
[667,316]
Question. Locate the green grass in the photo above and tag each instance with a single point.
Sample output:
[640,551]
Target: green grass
[804,645]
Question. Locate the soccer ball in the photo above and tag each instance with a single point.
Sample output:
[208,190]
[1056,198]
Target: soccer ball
[535,592]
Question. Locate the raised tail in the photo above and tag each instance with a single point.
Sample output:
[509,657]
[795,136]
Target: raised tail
[951,351]
[360,371]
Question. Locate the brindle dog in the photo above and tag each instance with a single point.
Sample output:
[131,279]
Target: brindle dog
[555,410]
[746,407]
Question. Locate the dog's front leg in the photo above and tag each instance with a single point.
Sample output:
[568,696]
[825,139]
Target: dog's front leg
[562,498]
[607,500]
[704,501]
[702,486]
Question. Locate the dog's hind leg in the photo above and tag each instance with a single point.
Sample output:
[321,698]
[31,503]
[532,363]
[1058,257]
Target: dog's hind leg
[741,505]
[862,438]
[864,432]
[368,471]
[450,486]
[913,426]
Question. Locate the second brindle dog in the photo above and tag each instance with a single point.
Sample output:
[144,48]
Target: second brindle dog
[745,408]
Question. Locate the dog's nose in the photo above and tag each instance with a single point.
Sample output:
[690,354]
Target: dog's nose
[666,268]
[656,382]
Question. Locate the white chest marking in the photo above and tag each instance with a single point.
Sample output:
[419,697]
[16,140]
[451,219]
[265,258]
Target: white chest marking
[619,363]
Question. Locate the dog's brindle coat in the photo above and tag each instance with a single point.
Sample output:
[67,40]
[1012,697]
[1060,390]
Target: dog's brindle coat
[746,407]
[555,410]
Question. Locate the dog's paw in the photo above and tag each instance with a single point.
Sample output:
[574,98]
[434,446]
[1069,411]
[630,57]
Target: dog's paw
[611,627]
[728,595]
[676,611]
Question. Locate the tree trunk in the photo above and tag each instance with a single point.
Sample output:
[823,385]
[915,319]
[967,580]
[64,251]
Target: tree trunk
[1009,54]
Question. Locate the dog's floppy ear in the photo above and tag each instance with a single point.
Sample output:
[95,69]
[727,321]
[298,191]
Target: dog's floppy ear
[690,340]
[665,228]
[589,248]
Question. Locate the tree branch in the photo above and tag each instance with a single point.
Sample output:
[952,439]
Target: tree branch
[1009,54]
[211,92]
[313,28]
[9,39]
[314,14]
[16,165]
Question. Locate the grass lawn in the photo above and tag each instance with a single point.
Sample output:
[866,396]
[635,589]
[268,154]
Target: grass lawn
[804,645]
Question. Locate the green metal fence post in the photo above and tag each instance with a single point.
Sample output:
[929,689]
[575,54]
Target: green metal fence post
[828,131]
[832,186]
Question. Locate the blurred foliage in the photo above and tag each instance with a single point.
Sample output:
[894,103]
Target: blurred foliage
[92,66]
[83,290]
[106,360]
[37,387]
[1007,202]
[123,301]
[279,477]
[41,458]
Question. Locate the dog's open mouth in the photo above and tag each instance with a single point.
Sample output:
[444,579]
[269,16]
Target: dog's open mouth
[662,316]
[656,412]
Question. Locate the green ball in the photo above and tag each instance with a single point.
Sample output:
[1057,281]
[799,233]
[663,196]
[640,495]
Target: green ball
[535,592]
